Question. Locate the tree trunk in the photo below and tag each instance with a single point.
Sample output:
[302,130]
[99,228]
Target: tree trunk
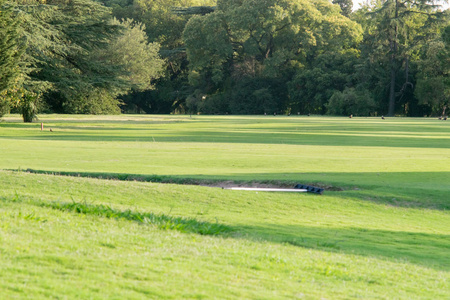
[391,110]
[394,46]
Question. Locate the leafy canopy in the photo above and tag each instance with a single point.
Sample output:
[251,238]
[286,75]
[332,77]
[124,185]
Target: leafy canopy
[266,39]
[80,60]
[11,51]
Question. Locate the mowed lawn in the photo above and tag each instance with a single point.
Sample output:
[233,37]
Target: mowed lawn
[380,230]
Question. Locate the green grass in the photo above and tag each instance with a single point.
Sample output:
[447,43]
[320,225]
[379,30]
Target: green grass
[381,230]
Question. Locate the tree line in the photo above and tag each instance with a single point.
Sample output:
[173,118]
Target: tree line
[390,57]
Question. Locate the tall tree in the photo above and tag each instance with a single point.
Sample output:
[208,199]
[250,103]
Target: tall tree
[79,58]
[266,39]
[11,47]
[61,37]
[402,28]
[312,87]
[164,22]
[11,50]
[433,84]
[140,59]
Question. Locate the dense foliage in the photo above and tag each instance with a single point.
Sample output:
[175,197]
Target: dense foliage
[270,42]
[11,50]
[79,59]
[225,56]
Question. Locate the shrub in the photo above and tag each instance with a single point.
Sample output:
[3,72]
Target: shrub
[96,102]
[215,104]
[29,107]
[351,101]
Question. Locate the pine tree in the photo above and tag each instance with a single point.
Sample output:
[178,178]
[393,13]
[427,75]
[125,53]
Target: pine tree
[11,50]
[11,47]
[433,82]
[402,29]
[64,40]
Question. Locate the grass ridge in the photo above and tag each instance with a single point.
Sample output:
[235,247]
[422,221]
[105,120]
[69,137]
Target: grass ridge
[161,221]
[175,180]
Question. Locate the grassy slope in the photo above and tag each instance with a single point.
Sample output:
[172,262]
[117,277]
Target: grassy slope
[385,236]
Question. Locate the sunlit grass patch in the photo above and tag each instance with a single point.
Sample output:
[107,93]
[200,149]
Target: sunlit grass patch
[109,229]
[84,256]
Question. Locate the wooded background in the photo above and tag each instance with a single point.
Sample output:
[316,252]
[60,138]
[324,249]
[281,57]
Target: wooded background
[389,57]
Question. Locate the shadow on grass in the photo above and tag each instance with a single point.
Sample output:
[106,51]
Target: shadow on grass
[427,190]
[37,126]
[305,136]
[61,122]
[422,249]
[126,177]
[428,250]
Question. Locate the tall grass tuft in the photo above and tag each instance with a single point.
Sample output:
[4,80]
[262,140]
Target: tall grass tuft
[161,221]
